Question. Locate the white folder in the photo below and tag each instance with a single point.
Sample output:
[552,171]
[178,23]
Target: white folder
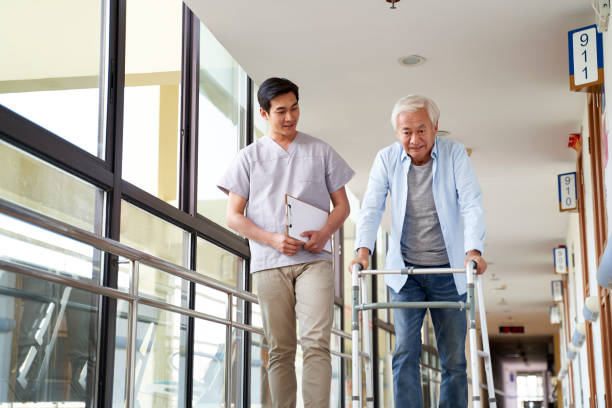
[302,217]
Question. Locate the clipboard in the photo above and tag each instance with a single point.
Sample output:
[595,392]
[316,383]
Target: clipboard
[301,217]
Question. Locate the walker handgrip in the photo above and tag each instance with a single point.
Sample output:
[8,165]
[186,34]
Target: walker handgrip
[357,266]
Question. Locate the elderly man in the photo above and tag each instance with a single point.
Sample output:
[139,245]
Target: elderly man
[294,279]
[437,221]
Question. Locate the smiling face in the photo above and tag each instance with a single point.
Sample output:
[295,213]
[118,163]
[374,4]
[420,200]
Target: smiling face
[283,115]
[417,135]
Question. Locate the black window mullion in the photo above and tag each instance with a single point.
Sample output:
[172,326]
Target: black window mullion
[189,114]
[114,153]
[246,396]
[249,111]
[374,357]
[187,180]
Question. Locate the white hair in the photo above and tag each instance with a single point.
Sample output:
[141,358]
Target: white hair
[413,103]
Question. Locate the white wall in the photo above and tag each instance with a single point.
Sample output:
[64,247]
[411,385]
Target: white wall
[576,290]
[607,39]
[592,268]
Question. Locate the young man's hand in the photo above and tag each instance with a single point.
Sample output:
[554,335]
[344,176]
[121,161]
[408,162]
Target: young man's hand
[316,241]
[285,245]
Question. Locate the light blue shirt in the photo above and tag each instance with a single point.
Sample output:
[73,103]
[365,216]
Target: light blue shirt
[457,197]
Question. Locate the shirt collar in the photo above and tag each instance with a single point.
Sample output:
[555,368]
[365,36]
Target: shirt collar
[434,151]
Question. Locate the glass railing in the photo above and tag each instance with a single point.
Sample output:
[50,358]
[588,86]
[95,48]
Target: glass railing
[50,319]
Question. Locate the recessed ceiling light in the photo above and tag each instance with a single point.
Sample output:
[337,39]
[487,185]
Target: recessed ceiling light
[411,60]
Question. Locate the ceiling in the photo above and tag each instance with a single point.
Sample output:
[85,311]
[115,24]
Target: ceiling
[498,71]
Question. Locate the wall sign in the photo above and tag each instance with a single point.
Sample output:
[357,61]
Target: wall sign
[585,48]
[560,255]
[556,287]
[555,314]
[568,193]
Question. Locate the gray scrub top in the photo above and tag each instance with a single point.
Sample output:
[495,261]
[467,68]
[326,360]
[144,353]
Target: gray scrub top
[264,172]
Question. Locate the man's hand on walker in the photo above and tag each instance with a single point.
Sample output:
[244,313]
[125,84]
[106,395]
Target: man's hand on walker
[363,257]
[481,264]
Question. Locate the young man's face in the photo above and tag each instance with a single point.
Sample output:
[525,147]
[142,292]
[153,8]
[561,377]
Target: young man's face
[417,134]
[283,116]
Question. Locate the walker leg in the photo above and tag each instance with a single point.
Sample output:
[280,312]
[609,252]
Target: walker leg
[366,316]
[485,342]
[355,346]
[470,272]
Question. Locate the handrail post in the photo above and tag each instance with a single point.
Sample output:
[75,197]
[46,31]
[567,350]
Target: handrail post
[130,392]
[355,346]
[228,351]
[470,272]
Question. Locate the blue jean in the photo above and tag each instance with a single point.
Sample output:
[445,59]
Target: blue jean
[450,326]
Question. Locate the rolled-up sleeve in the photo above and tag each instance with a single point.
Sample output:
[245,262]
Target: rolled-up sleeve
[237,177]
[373,205]
[469,197]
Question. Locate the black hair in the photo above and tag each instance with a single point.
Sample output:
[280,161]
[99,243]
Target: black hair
[273,87]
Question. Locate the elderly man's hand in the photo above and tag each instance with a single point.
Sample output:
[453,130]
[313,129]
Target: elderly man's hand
[481,264]
[363,258]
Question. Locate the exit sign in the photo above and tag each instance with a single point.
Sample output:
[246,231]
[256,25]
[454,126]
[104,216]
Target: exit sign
[512,329]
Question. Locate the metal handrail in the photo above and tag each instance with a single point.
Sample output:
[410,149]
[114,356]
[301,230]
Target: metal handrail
[135,258]
[116,248]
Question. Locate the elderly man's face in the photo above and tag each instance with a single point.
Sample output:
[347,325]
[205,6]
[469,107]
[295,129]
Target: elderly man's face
[417,134]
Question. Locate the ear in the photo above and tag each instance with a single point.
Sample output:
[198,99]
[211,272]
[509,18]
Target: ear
[264,114]
[436,128]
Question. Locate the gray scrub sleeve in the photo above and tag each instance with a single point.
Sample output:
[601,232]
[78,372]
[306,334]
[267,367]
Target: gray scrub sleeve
[337,171]
[236,177]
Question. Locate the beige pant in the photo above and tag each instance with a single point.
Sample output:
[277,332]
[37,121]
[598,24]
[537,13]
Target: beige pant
[305,291]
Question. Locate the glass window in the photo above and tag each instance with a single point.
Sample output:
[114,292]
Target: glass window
[219,264]
[221,126]
[529,390]
[151,119]
[160,357]
[260,390]
[49,335]
[143,231]
[209,364]
[160,335]
[52,76]
[35,184]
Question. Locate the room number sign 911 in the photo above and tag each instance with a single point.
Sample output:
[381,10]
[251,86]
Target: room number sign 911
[585,58]
[568,194]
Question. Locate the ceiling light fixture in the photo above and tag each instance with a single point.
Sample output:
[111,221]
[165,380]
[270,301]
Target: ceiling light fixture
[412,60]
[393,3]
